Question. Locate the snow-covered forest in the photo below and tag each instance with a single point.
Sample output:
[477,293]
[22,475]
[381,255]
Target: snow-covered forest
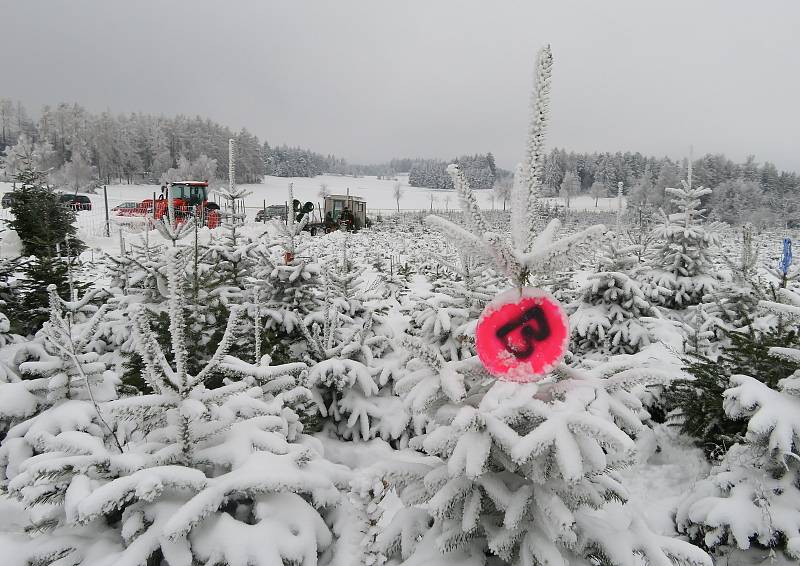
[221,351]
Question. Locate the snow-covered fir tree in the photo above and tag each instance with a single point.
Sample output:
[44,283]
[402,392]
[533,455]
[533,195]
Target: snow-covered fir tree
[230,253]
[345,286]
[730,305]
[752,497]
[352,374]
[446,315]
[680,270]
[188,475]
[60,365]
[521,473]
[290,283]
[609,312]
[58,415]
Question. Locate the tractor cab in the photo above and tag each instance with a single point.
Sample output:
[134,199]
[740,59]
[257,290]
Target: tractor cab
[189,193]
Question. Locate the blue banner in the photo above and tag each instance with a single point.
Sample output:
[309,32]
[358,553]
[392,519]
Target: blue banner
[786,258]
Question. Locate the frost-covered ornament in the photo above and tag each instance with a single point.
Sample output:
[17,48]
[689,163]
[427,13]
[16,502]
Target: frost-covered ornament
[522,335]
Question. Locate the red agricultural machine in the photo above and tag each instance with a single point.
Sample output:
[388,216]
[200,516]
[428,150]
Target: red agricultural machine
[189,200]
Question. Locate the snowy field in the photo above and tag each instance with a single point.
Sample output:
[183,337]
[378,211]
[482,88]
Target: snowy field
[377,192]
[274,190]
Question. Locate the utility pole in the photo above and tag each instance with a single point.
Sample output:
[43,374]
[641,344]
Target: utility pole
[232,179]
[105,200]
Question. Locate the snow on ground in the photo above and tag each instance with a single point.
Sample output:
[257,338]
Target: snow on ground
[668,466]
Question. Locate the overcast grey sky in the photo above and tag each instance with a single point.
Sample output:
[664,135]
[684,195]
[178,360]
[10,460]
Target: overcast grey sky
[373,79]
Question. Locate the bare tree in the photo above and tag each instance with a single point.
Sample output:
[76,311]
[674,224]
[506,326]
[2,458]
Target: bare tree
[324,191]
[570,187]
[598,190]
[77,172]
[203,169]
[503,192]
[397,193]
[6,107]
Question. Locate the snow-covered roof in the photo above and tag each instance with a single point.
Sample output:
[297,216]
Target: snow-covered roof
[203,183]
[351,197]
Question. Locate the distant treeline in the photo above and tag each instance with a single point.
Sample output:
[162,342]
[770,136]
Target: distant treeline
[740,190]
[130,147]
[80,147]
[480,170]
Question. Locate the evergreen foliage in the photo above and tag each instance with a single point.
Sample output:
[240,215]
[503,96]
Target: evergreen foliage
[519,473]
[40,220]
[47,231]
[480,171]
[445,317]
[697,402]
[751,496]
[193,466]
[680,273]
[609,313]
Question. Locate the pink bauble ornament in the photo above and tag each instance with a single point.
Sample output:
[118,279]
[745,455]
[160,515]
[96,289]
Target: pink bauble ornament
[522,334]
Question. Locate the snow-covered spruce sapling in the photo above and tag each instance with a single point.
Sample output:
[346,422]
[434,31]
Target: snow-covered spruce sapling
[290,282]
[136,271]
[447,314]
[752,496]
[695,402]
[211,476]
[521,473]
[351,377]
[680,270]
[61,423]
[731,305]
[61,365]
[205,312]
[609,312]
[526,473]
[345,286]
[40,220]
[230,254]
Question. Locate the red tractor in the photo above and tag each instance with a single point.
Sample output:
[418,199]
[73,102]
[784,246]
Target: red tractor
[190,200]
